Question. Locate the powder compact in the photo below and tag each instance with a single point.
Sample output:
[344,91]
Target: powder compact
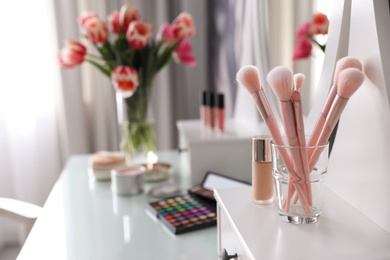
[101,163]
[196,210]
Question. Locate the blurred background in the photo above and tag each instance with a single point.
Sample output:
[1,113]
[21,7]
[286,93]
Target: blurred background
[48,114]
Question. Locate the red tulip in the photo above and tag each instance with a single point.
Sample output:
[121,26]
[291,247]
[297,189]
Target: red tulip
[72,54]
[127,15]
[139,34]
[302,48]
[113,22]
[183,53]
[125,80]
[319,24]
[183,26]
[96,30]
[85,16]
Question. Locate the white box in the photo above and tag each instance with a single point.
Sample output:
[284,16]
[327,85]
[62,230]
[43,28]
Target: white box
[228,153]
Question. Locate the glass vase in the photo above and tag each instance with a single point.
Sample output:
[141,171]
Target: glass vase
[138,131]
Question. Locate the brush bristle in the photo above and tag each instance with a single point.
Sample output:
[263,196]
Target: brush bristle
[280,79]
[298,80]
[248,78]
[344,63]
[349,81]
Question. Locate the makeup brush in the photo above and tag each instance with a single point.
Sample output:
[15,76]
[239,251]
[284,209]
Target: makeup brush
[344,63]
[298,81]
[298,112]
[349,80]
[248,78]
[281,79]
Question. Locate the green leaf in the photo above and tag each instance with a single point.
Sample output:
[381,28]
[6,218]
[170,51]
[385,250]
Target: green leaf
[105,69]
[166,56]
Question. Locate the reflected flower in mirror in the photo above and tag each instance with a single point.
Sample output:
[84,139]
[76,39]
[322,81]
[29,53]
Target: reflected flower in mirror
[307,34]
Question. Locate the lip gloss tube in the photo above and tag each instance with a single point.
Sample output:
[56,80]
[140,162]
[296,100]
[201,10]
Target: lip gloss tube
[203,109]
[220,113]
[211,110]
[262,178]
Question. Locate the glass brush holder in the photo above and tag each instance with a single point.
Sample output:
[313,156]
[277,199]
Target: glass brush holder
[299,174]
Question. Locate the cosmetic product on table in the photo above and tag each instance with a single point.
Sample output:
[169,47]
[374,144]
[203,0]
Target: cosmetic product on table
[220,114]
[204,113]
[195,210]
[127,180]
[102,162]
[262,178]
[211,110]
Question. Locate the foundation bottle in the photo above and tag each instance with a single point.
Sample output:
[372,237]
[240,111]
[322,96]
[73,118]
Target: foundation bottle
[262,179]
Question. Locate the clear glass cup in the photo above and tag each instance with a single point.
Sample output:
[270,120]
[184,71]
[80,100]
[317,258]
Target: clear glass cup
[299,182]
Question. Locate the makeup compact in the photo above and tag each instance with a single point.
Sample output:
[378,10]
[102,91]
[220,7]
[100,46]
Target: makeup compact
[128,180]
[196,210]
[101,163]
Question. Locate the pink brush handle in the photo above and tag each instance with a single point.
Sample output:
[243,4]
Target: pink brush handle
[315,135]
[302,143]
[322,117]
[334,116]
[288,119]
[264,108]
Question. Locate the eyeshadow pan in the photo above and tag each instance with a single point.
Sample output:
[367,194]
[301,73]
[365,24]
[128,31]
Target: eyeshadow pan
[184,213]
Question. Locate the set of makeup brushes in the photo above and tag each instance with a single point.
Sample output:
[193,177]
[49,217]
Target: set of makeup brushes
[347,79]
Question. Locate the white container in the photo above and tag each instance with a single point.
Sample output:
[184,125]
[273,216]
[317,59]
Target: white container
[128,180]
[227,153]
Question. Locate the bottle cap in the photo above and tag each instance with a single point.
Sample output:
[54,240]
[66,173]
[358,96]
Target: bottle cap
[210,99]
[220,101]
[203,98]
[261,145]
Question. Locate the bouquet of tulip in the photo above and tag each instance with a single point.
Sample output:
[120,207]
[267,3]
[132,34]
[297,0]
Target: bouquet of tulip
[306,34]
[131,61]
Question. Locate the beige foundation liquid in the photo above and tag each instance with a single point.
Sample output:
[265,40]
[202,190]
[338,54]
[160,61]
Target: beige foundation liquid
[262,179]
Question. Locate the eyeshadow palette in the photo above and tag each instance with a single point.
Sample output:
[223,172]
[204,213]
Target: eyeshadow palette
[202,192]
[184,213]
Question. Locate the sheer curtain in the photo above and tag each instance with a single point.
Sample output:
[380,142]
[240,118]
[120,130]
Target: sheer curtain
[30,160]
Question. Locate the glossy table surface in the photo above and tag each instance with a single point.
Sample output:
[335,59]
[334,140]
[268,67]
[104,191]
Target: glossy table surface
[82,219]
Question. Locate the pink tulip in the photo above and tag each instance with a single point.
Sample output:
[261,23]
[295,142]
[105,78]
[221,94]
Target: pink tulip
[183,26]
[113,22]
[127,15]
[125,80]
[165,32]
[96,30]
[303,30]
[72,54]
[139,34]
[319,24]
[302,48]
[183,54]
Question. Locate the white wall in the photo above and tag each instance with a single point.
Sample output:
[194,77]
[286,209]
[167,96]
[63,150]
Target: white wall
[359,164]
